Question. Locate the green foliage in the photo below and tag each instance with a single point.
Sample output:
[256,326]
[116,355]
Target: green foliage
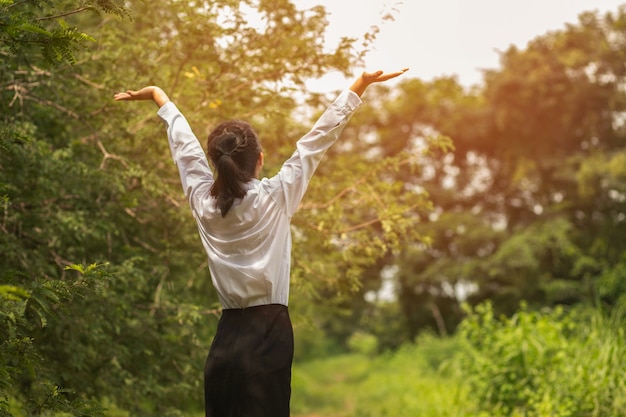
[545,363]
[42,23]
[535,264]
[28,306]
[612,285]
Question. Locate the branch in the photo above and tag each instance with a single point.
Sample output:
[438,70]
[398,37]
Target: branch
[18,95]
[338,196]
[157,293]
[172,200]
[88,82]
[359,226]
[17,3]
[53,104]
[71,12]
[58,260]
[145,245]
[108,155]
[441,325]
[132,214]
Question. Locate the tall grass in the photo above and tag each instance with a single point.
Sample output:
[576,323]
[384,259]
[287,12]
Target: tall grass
[552,363]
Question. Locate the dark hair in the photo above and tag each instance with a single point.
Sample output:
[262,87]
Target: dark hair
[234,149]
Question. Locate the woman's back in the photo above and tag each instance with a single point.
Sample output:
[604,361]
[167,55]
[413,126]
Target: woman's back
[249,248]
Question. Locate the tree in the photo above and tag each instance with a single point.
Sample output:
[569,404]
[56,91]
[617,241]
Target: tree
[530,204]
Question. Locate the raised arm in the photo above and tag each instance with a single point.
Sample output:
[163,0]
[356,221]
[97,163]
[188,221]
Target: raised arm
[368,78]
[147,93]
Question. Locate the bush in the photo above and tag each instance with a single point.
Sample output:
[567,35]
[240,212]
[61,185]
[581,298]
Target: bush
[26,306]
[548,363]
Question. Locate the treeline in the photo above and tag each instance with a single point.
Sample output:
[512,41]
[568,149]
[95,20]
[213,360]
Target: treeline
[530,205]
[511,191]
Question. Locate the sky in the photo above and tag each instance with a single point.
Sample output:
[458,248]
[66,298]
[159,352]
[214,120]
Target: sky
[445,37]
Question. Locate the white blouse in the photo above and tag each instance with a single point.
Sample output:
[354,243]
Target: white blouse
[249,250]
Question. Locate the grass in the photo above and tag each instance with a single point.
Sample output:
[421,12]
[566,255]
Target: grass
[415,381]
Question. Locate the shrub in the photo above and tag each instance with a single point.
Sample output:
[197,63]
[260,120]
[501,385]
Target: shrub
[545,363]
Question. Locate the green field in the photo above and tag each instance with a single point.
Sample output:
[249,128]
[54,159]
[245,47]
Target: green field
[411,382]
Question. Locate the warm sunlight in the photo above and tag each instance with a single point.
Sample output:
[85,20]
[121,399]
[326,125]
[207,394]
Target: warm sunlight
[194,223]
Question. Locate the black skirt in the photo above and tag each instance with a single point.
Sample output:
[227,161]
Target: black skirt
[248,370]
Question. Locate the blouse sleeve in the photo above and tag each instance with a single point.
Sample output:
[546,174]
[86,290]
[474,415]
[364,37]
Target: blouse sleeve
[289,185]
[195,173]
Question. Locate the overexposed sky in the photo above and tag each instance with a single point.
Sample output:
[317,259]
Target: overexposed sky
[446,37]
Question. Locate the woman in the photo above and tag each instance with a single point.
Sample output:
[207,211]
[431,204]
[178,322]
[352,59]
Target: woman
[244,225]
